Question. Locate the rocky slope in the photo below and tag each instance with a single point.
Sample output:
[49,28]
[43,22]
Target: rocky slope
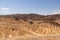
[29,24]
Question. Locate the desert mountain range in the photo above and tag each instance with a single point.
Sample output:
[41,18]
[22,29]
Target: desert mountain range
[29,24]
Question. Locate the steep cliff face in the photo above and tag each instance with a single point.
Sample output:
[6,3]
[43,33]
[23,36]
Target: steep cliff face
[29,24]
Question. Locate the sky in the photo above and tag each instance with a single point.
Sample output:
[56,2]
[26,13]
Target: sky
[44,7]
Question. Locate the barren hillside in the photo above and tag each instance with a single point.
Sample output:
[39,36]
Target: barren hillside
[29,24]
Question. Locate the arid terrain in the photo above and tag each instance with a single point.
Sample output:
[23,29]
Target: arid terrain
[30,27]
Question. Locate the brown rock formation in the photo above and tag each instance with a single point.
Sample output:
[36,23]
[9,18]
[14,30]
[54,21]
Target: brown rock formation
[29,24]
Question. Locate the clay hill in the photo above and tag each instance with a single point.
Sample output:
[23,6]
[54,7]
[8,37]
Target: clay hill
[29,24]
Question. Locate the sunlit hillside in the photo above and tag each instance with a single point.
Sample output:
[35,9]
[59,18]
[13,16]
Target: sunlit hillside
[23,25]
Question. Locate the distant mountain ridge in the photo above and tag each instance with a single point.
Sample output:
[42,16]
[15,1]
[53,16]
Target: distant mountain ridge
[35,17]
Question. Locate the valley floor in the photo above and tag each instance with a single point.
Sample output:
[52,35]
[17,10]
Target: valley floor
[49,37]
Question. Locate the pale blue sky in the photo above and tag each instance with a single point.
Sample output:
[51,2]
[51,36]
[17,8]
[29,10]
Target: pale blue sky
[29,6]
